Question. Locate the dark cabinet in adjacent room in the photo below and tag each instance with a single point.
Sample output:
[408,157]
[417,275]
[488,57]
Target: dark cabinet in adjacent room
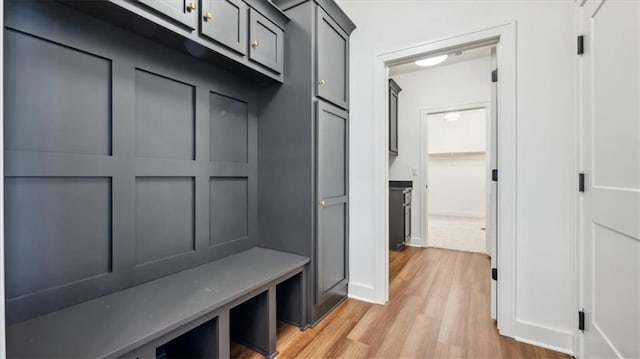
[394,91]
[399,214]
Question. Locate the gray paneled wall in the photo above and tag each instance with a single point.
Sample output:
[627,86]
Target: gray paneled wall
[125,160]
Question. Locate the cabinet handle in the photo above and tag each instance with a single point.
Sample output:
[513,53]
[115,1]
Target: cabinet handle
[208,16]
[322,203]
[191,6]
[321,82]
[255,44]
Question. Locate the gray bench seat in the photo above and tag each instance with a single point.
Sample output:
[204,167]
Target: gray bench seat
[135,321]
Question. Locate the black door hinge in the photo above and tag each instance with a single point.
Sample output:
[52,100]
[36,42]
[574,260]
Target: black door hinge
[494,175]
[494,75]
[580,44]
[581,182]
[581,320]
[494,273]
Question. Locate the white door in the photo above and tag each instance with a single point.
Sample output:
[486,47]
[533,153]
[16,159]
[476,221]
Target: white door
[610,273]
[492,187]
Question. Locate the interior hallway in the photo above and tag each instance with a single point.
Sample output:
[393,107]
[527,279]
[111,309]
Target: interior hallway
[439,308]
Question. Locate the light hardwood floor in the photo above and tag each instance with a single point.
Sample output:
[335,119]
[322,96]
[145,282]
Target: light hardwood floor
[438,308]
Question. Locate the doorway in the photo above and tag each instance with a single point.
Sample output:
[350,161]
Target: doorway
[439,174]
[503,37]
[456,171]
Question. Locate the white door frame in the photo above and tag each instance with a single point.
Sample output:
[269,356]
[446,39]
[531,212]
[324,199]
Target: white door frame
[2,320]
[424,162]
[505,35]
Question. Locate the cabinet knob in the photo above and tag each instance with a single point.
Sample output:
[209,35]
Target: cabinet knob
[255,44]
[322,203]
[191,6]
[321,82]
[208,16]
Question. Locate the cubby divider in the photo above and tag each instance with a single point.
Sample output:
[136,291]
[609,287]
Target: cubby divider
[200,342]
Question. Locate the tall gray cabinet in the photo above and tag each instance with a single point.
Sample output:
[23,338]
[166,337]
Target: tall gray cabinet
[303,151]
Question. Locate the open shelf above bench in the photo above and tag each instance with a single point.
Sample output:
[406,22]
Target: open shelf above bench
[121,322]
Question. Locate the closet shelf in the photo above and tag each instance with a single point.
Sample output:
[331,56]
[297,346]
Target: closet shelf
[455,154]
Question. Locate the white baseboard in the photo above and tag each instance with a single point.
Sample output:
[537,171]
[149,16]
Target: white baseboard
[417,245]
[361,292]
[545,337]
[416,242]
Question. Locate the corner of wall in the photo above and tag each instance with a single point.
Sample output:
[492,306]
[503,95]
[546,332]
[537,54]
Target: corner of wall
[362,292]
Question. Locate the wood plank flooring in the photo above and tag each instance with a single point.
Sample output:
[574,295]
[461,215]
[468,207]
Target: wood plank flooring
[438,308]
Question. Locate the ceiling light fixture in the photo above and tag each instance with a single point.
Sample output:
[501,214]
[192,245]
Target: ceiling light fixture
[452,116]
[431,61]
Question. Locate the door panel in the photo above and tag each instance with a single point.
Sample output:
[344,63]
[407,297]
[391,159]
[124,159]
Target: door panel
[183,11]
[332,237]
[611,203]
[332,158]
[225,21]
[267,40]
[332,246]
[332,61]
[393,122]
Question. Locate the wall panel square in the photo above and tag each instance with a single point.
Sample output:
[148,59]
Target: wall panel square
[58,231]
[164,217]
[59,98]
[228,129]
[228,207]
[164,116]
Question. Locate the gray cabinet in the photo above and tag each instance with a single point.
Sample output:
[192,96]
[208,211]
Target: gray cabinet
[399,214]
[225,21]
[332,126]
[225,29]
[183,11]
[394,91]
[266,41]
[332,59]
[303,148]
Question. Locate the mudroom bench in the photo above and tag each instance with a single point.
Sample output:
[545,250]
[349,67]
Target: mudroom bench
[193,313]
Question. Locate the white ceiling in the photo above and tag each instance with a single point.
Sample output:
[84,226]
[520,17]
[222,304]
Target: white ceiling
[466,55]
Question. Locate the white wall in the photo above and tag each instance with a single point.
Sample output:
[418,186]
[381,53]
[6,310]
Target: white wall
[462,83]
[457,181]
[544,302]
[457,186]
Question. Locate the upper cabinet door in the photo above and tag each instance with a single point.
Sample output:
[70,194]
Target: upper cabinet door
[225,21]
[394,91]
[183,11]
[333,61]
[266,42]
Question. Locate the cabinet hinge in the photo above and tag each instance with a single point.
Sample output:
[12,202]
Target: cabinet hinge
[581,319]
[494,175]
[580,44]
[494,273]
[494,75]
[581,182]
